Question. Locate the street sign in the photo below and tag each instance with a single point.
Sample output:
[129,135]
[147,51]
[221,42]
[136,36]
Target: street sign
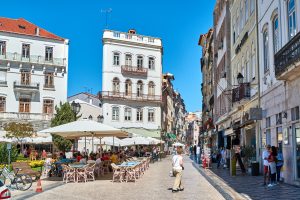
[8,146]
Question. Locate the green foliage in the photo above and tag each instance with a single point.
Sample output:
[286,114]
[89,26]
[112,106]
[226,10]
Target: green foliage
[64,114]
[18,130]
[4,153]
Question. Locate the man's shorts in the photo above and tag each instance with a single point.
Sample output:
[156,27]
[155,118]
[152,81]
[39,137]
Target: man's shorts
[266,169]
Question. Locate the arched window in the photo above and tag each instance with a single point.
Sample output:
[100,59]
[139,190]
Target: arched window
[128,60]
[292,18]
[116,58]
[128,87]
[266,50]
[139,89]
[127,114]
[140,61]
[275,34]
[151,88]
[139,114]
[116,86]
[2,104]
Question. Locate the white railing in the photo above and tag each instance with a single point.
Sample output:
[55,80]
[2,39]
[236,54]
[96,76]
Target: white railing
[135,37]
[33,59]
[25,116]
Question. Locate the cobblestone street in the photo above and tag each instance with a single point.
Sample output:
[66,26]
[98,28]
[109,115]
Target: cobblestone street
[154,184]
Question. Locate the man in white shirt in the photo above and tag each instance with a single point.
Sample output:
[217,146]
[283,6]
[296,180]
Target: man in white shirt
[265,156]
[177,163]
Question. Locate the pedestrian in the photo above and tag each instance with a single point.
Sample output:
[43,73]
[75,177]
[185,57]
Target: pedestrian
[223,157]
[279,164]
[218,157]
[265,156]
[198,154]
[195,151]
[237,150]
[177,164]
[272,165]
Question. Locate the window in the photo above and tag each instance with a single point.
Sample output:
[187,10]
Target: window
[127,114]
[49,80]
[278,119]
[25,50]
[2,104]
[139,114]
[25,78]
[140,61]
[151,63]
[2,47]
[116,86]
[49,54]
[48,106]
[247,77]
[268,122]
[150,115]
[115,113]
[292,18]
[252,5]
[266,50]
[295,113]
[253,61]
[128,87]
[233,35]
[268,137]
[275,34]
[24,105]
[151,89]
[246,10]
[139,91]
[128,60]
[116,59]
[238,24]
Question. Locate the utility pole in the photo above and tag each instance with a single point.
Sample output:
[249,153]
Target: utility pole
[106,11]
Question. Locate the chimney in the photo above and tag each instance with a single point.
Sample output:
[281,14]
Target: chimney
[37,31]
[132,31]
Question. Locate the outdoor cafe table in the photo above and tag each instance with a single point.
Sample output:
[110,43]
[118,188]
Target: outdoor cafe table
[129,164]
[77,166]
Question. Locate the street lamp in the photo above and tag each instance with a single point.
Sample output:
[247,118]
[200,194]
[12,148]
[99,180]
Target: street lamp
[90,117]
[100,118]
[75,107]
[240,78]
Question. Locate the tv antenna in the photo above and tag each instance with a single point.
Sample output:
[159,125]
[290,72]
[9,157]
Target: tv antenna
[106,11]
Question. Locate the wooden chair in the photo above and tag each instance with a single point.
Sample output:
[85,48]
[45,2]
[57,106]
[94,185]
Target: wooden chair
[90,172]
[69,174]
[118,172]
[130,174]
[81,174]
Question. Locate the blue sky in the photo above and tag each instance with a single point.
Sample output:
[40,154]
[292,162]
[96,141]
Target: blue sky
[179,24]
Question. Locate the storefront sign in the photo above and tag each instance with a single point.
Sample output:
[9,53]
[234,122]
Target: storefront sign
[255,114]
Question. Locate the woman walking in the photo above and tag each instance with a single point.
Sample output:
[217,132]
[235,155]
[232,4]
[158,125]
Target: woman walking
[177,163]
[272,165]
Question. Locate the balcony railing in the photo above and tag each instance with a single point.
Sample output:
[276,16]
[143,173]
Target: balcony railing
[33,59]
[3,83]
[130,96]
[30,86]
[25,116]
[241,92]
[134,71]
[286,57]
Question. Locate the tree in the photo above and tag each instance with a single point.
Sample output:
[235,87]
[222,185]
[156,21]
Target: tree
[64,114]
[18,130]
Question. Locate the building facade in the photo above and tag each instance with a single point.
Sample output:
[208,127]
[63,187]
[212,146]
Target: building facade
[131,82]
[279,26]
[33,72]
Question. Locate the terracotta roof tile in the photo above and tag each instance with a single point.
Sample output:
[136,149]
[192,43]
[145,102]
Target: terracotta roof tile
[23,27]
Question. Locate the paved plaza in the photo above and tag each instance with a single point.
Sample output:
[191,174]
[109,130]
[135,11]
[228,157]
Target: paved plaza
[154,184]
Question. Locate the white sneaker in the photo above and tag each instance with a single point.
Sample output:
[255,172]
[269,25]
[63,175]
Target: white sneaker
[270,185]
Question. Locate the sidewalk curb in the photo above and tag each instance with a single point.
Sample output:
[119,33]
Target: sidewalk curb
[226,191]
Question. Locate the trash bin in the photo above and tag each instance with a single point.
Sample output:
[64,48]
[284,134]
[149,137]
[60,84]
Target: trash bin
[255,168]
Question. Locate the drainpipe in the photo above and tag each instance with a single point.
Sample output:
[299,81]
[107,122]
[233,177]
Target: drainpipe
[258,122]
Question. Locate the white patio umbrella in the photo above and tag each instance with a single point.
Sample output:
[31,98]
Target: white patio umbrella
[5,140]
[136,141]
[155,141]
[85,128]
[178,144]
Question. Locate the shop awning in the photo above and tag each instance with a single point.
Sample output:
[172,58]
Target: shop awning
[171,135]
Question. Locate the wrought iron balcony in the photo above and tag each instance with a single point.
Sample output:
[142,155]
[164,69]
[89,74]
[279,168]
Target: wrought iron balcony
[241,92]
[134,71]
[26,86]
[25,116]
[34,59]
[130,96]
[287,60]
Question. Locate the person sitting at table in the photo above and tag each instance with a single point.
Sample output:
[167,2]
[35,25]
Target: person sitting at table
[105,157]
[98,160]
[62,156]
[44,154]
[79,157]
[114,158]
[83,160]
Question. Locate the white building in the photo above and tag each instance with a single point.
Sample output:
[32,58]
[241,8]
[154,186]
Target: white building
[131,82]
[33,72]
[279,39]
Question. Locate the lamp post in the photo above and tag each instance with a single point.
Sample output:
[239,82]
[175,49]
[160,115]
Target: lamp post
[240,78]
[100,118]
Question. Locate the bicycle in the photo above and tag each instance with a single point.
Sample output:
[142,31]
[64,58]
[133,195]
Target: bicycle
[22,181]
